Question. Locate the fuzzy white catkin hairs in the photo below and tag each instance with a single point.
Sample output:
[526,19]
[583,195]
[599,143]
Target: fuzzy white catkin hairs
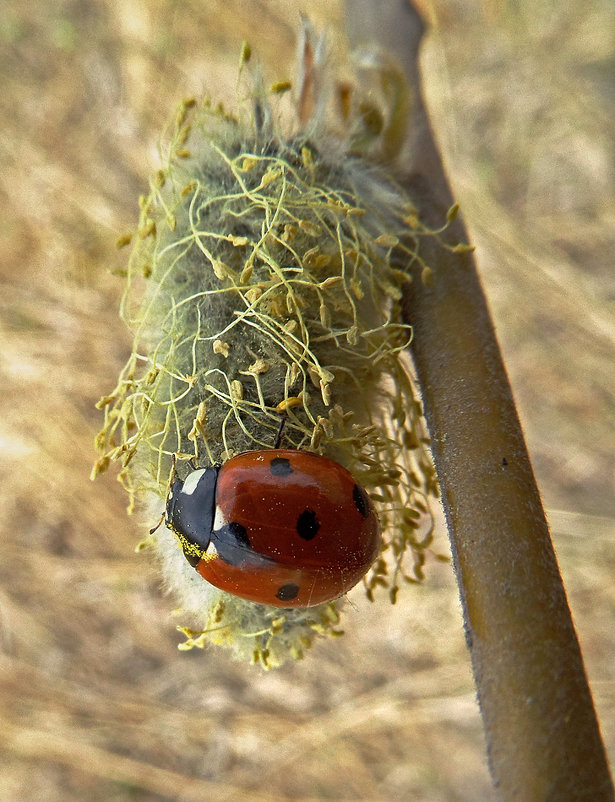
[264,280]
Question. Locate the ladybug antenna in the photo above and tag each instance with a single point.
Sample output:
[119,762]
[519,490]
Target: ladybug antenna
[278,437]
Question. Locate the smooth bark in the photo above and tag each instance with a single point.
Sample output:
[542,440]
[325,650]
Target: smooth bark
[543,738]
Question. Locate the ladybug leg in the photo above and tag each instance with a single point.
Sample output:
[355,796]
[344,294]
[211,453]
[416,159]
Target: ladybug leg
[171,477]
[278,437]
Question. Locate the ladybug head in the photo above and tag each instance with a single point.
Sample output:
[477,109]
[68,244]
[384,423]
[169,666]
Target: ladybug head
[190,511]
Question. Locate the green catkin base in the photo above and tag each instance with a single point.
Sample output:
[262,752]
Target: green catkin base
[262,283]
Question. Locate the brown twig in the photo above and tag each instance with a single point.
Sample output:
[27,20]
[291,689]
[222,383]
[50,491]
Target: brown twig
[542,734]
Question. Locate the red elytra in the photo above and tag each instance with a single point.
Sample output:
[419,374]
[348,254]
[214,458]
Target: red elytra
[280,527]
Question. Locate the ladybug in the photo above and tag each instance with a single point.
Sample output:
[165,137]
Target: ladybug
[280,527]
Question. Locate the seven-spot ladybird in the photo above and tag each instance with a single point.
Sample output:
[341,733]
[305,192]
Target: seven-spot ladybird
[280,527]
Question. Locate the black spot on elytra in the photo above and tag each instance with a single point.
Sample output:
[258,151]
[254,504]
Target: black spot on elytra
[361,502]
[232,543]
[237,532]
[287,592]
[280,466]
[307,524]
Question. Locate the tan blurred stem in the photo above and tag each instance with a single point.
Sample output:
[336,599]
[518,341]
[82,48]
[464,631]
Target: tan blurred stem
[542,734]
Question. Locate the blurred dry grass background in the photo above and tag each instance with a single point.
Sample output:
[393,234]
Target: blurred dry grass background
[96,703]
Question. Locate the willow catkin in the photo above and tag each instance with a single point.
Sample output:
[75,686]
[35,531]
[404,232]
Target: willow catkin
[263,282]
